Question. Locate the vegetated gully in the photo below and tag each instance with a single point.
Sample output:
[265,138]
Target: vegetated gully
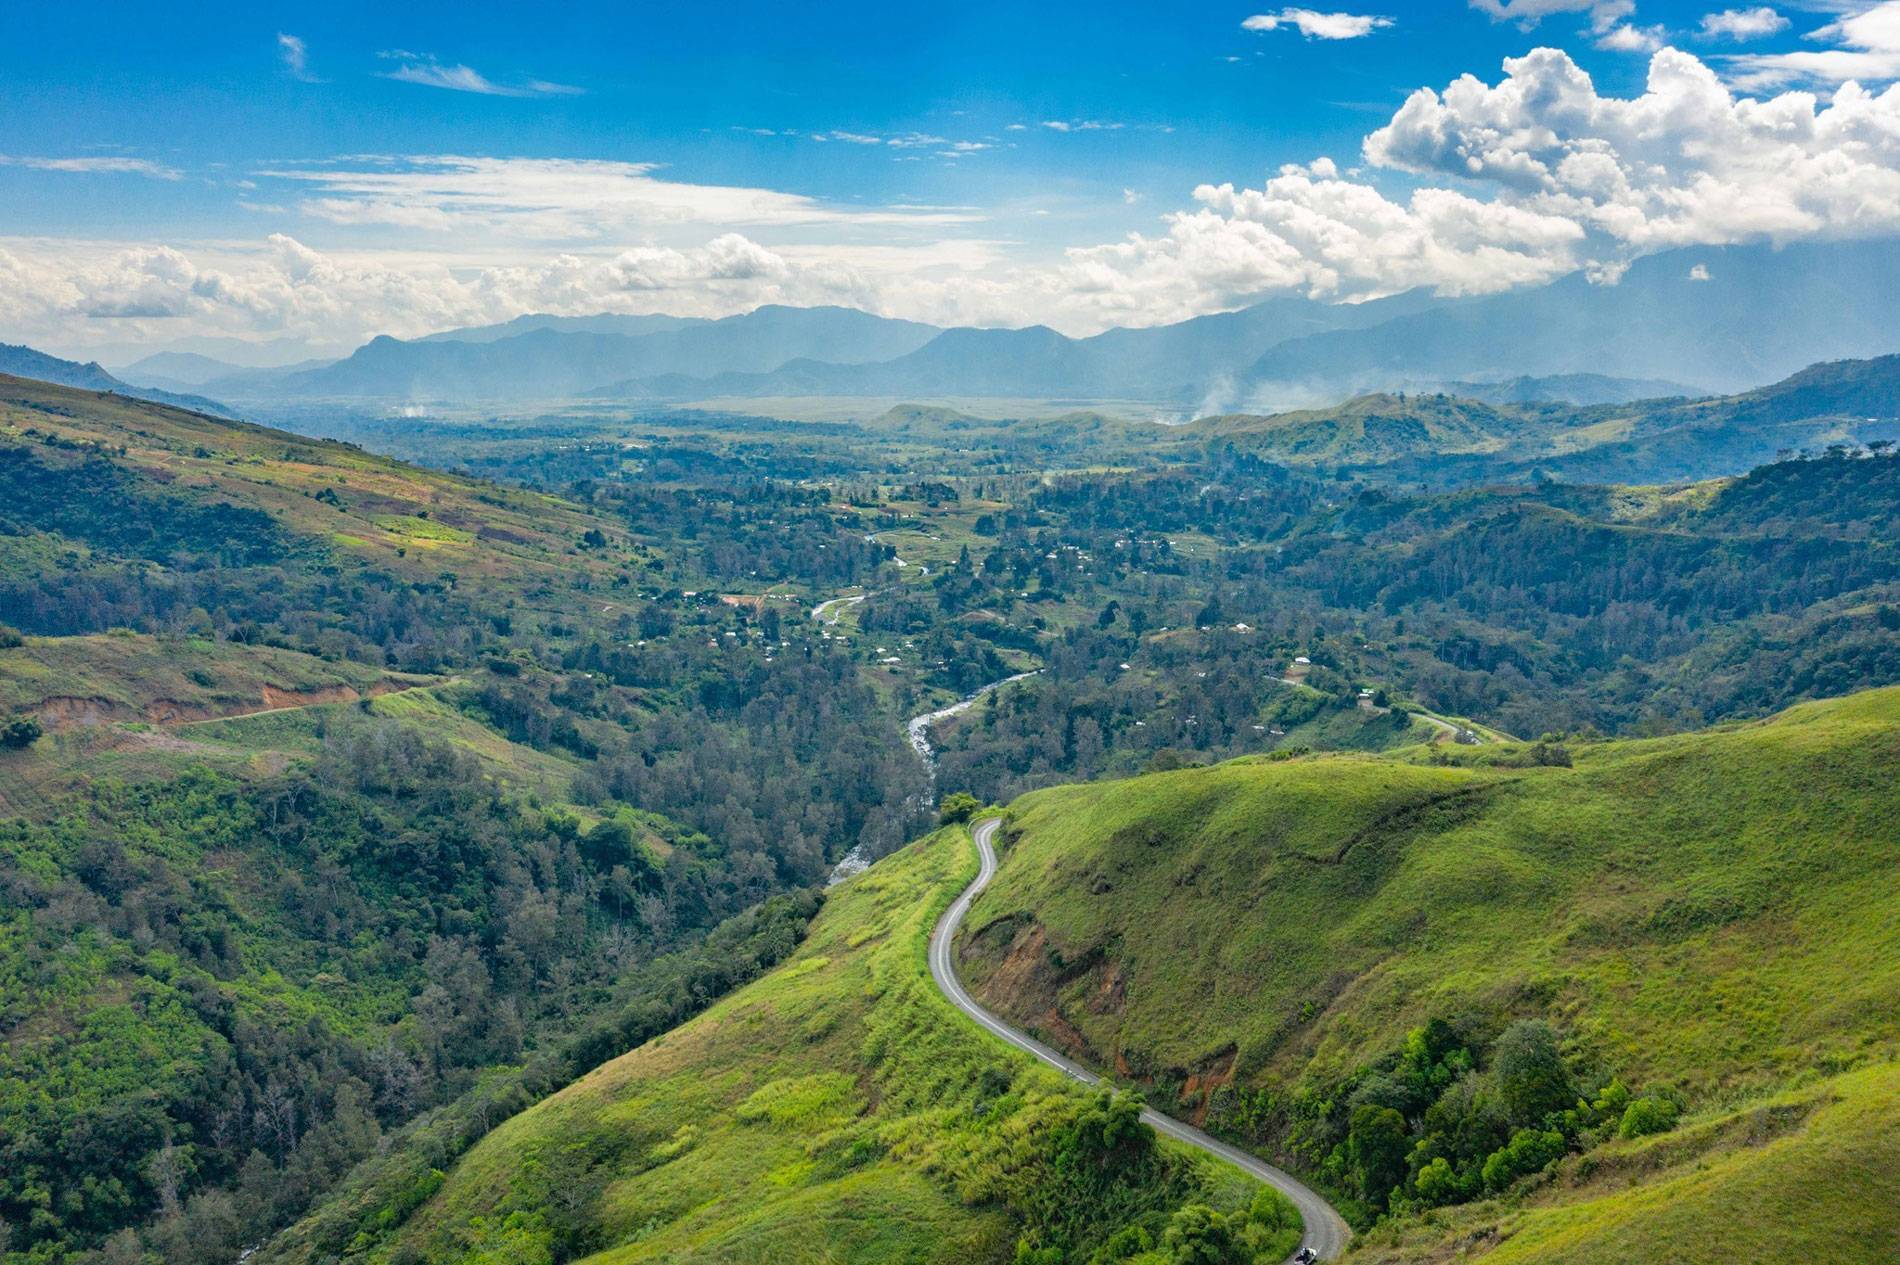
[1326,1232]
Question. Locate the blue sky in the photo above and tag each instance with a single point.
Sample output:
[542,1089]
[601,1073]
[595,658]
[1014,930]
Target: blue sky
[155,167]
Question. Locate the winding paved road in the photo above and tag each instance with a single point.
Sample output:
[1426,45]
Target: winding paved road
[1326,1232]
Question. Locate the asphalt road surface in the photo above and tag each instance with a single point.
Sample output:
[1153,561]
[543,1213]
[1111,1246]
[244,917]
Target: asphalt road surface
[1326,1231]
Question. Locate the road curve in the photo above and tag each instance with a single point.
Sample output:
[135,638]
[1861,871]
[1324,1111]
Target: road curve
[1326,1231]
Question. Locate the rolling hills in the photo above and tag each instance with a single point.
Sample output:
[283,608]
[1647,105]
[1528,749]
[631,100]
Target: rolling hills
[318,812]
[1699,919]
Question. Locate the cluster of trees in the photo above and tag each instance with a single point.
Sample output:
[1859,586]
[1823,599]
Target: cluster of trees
[1447,1118]
[1538,610]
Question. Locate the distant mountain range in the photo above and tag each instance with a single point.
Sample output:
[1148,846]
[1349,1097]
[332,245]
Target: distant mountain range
[545,357]
[24,362]
[1688,322]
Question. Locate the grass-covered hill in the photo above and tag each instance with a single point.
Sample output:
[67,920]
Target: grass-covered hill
[106,477]
[837,1110]
[1447,439]
[1546,1002]
[1378,429]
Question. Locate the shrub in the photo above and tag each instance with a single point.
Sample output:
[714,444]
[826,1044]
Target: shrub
[1198,1235]
[1646,1115]
[1439,1183]
[1528,1151]
[10,637]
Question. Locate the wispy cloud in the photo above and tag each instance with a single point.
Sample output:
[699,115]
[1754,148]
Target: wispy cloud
[557,199]
[1318,26]
[1866,49]
[1604,14]
[941,146]
[1082,125]
[424,69]
[296,56]
[96,165]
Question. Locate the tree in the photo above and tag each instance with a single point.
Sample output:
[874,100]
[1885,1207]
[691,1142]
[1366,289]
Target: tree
[1531,1076]
[21,731]
[1376,1148]
[958,806]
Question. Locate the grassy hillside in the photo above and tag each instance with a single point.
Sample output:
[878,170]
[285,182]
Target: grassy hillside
[120,476]
[125,676]
[1445,438]
[1707,920]
[1373,430]
[837,1110]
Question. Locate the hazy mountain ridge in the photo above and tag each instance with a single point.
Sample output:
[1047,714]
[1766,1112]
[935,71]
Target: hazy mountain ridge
[25,362]
[1725,319]
[552,357]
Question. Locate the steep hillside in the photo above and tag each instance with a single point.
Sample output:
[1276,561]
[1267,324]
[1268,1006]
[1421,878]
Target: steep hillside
[838,1110]
[1291,948]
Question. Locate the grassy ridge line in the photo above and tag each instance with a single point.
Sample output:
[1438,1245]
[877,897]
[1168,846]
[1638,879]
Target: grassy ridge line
[1712,914]
[837,1110]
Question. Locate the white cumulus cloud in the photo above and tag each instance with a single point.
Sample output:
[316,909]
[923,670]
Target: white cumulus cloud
[1528,179]
[1743,24]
